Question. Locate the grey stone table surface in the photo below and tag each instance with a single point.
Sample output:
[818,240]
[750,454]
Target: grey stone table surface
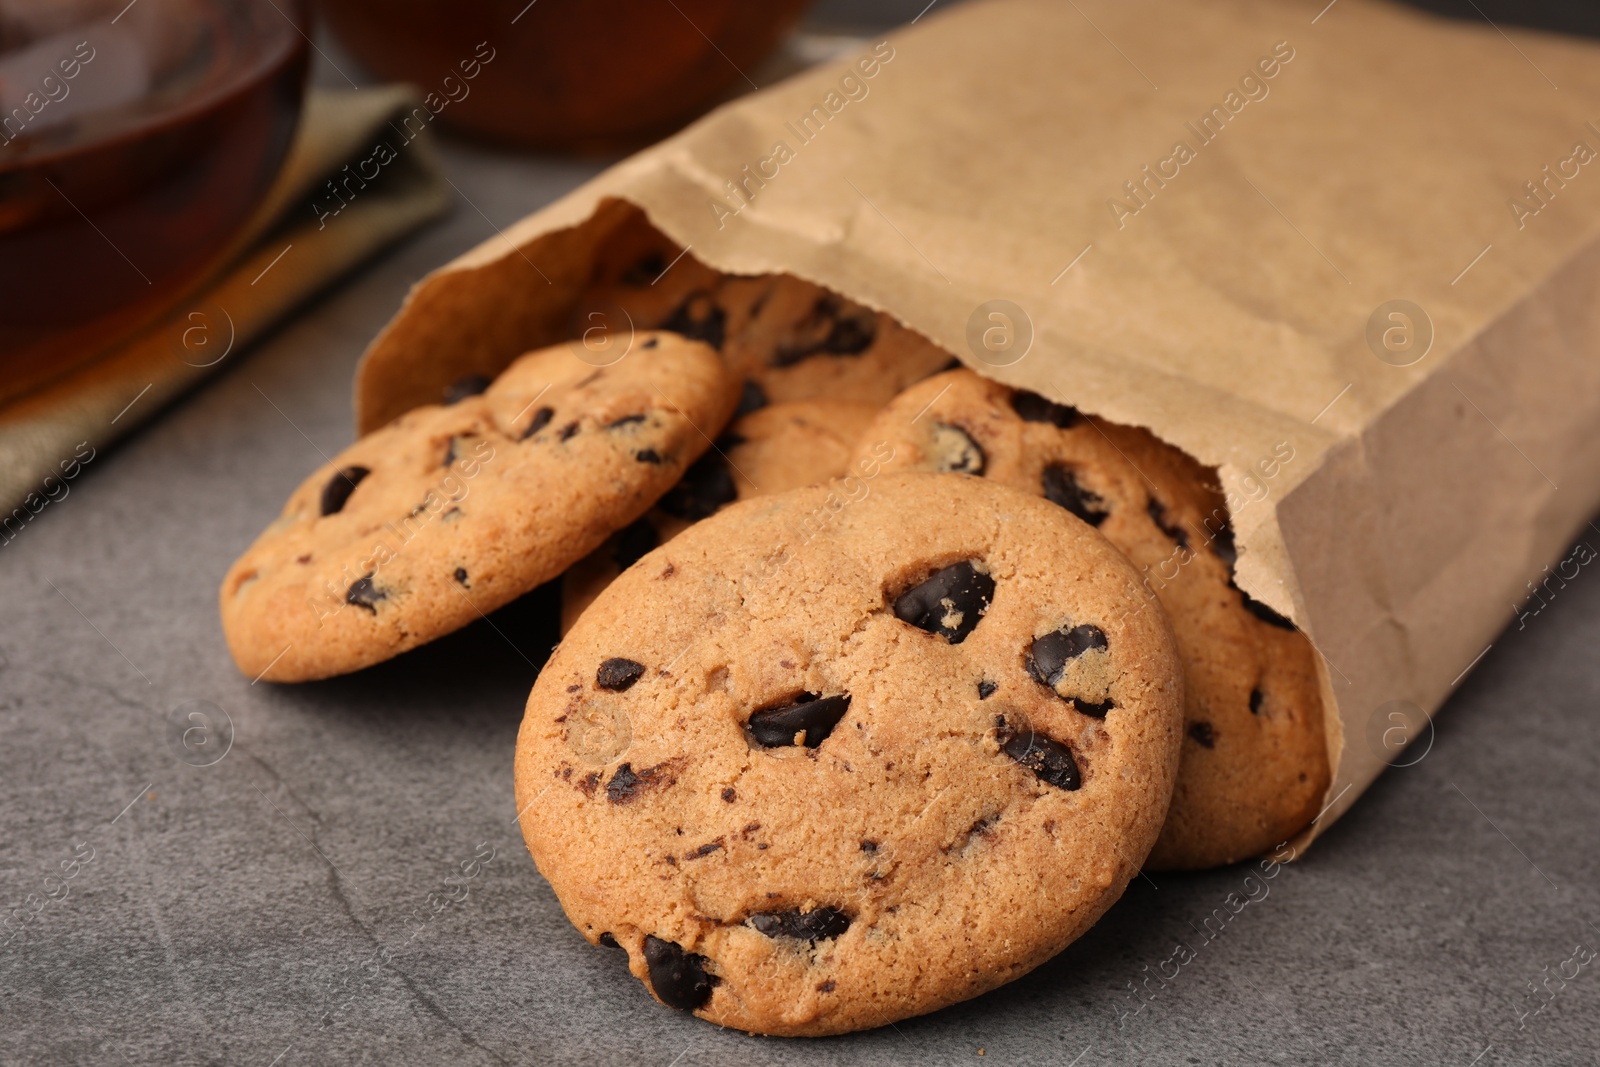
[288,903]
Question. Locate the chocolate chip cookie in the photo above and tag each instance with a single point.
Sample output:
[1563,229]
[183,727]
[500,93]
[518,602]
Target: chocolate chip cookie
[1255,760]
[784,446]
[451,511]
[850,753]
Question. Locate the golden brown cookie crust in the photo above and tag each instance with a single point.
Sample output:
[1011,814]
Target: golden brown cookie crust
[460,509]
[776,448]
[1255,761]
[929,864]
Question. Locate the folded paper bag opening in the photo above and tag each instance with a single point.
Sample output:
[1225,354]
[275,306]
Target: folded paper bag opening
[1377,272]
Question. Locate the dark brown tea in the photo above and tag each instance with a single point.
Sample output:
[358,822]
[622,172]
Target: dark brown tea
[135,141]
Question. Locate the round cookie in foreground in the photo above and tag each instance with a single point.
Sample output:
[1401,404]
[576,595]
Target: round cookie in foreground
[1255,759]
[450,512]
[817,768]
[777,448]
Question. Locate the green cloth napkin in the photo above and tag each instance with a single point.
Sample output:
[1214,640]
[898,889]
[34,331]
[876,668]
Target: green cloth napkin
[294,246]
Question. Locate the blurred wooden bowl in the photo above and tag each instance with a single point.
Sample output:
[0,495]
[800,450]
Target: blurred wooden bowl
[585,75]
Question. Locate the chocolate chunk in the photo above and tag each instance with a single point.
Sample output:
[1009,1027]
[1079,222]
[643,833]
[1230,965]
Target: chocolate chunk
[651,343]
[699,319]
[617,674]
[1094,711]
[645,271]
[647,455]
[540,420]
[1049,655]
[704,488]
[1049,760]
[623,785]
[678,978]
[729,794]
[1264,613]
[950,603]
[816,715]
[1034,408]
[1256,697]
[704,850]
[1158,515]
[461,575]
[955,451]
[751,398]
[986,689]
[608,941]
[817,925]
[831,329]
[569,431]
[633,542]
[453,452]
[339,488]
[363,594]
[1061,487]
[461,388]
[626,420]
[869,846]
[1203,734]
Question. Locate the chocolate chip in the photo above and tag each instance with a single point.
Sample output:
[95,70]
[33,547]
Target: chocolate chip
[626,420]
[651,343]
[453,451]
[729,794]
[339,488]
[955,451]
[699,319]
[831,328]
[461,388]
[461,575]
[986,689]
[363,594]
[1061,487]
[1049,655]
[1203,734]
[819,924]
[704,850]
[678,978]
[704,488]
[608,941]
[869,846]
[1034,408]
[645,271]
[950,603]
[815,715]
[623,785]
[751,398]
[1264,613]
[826,987]
[1158,515]
[569,431]
[617,674]
[1049,760]
[1256,697]
[1222,544]
[1094,711]
[647,455]
[633,542]
[540,420]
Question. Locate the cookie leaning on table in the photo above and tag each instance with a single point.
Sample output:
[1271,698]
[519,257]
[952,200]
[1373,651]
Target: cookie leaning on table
[777,448]
[450,512]
[816,768]
[1255,761]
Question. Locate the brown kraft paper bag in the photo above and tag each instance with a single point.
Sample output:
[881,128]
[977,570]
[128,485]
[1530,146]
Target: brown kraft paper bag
[1350,257]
